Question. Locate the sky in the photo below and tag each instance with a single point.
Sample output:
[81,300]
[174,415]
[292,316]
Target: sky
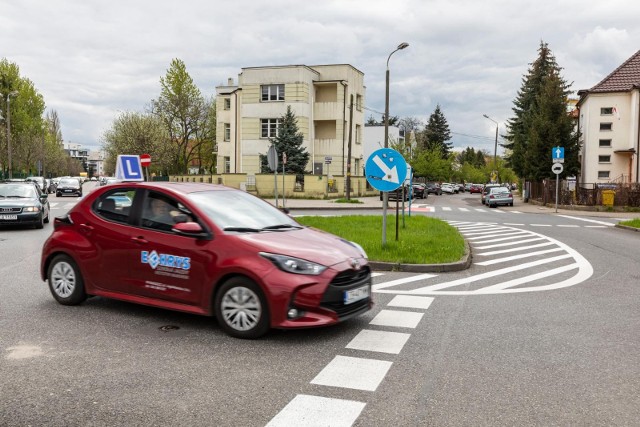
[92,60]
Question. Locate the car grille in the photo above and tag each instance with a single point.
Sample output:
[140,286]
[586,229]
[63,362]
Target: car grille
[333,298]
[10,210]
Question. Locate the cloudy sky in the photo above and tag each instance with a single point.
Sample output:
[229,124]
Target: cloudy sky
[93,59]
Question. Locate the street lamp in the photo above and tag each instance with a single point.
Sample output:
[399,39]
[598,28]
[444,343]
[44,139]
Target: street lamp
[495,148]
[385,196]
[9,95]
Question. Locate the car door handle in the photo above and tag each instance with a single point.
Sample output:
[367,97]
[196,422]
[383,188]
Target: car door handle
[140,240]
[86,228]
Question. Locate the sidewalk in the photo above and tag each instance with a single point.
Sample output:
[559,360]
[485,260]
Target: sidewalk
[368,203]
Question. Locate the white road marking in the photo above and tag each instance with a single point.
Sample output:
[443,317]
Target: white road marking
[491,230]
[402,281]
[511,223]
[509,237]
[596,226]
[316,411]
[568,225]
[588,220]
[510,250]
[446,209]
[353,372]
[500,245]
[409,301]
[379,341]
[527,279]
[398,319]
[515,212]
[464,209]
[481,210]
[540,225]
[521,256]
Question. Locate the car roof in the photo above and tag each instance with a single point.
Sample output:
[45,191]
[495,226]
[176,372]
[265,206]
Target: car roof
[175,187]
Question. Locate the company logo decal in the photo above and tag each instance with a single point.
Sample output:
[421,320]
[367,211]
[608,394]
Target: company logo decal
[155,260]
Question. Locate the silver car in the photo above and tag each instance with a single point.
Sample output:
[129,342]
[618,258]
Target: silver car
[499,196]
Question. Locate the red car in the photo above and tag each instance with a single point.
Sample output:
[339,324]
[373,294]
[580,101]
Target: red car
[210,250]
[475,188]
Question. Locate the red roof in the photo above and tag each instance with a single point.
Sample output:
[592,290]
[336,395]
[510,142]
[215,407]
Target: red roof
[622,79]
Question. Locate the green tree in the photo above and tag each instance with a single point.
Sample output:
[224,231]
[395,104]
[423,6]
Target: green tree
[436,134]
[431,165]
[185,115]
[289,141]
[541,121]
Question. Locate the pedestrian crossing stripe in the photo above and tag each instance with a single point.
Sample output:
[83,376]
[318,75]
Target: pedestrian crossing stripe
[431,209]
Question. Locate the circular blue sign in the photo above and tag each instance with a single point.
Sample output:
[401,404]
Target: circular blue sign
[386,169]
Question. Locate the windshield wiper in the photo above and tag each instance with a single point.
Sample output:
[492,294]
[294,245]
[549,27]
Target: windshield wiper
[17,197]
[281,226]
[243,229]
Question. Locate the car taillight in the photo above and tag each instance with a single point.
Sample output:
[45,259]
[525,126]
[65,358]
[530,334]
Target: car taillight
[491,196]
[509,195]
[62,221]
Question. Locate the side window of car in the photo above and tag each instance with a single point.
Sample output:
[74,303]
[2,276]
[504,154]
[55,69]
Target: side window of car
[115,205]
[161,212]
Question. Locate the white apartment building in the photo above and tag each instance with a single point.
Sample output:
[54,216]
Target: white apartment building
[609,121]
[249,112]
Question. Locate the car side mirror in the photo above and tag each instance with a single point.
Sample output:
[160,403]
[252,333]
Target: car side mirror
[44,196]
[192,229]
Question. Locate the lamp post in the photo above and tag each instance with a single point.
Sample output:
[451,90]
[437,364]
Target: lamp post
[495,148]
[385,196]
[9,95]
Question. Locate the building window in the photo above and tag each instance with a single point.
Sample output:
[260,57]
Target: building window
[358,134]
[227,103]
[227,132]
[604,143]
[227,164]
[603,174]
[359,102]
[272,92]
[606,111]
[604,159]
[269,128]
[606,126]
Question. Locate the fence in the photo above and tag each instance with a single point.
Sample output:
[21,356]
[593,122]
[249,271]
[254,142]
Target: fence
[575,193]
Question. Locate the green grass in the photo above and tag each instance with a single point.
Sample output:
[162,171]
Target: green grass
[632,223]
[347,201]
[424,240]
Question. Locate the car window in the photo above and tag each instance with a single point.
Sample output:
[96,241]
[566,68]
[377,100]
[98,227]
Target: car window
[115,205]
[161,212]
[11,191]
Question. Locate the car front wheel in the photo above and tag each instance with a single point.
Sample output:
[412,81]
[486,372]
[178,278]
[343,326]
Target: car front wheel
[241,308]
[65,281]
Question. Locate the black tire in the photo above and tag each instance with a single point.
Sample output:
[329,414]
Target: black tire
[46,220]
[249,321]
[40,224]
[511,204]
[58,194]
[65,281]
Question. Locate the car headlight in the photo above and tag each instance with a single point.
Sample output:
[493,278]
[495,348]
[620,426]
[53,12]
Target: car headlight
[31,209]
[294,265]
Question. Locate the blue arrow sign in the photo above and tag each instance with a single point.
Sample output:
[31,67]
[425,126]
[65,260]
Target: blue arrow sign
[557,153]
[128,168]
[386,169]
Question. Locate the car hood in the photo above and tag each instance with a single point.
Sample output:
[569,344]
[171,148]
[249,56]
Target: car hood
[307,243]
[18,202]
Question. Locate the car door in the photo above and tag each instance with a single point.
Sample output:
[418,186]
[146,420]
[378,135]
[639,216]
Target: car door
[169,266]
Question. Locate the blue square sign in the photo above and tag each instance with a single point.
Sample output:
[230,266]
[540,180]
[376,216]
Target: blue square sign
[128,168]
[557,153]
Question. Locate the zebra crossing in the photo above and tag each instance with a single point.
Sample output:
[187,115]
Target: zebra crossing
[506,260]
[418,207]
[63,205]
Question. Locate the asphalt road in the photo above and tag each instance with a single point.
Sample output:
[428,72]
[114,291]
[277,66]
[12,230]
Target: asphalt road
[446,349]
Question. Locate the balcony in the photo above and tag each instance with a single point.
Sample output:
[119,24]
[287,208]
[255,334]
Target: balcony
[327,111]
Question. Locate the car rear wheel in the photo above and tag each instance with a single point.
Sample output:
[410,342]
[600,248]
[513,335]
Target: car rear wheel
[241,308]
[65,281]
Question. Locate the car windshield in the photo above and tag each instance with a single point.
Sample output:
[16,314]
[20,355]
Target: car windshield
[18,191]
[70,181]
[240,211]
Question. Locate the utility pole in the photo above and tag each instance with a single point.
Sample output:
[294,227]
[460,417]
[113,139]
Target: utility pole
[349,149]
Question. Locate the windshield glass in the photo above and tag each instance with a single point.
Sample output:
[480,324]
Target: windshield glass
[70,181]
[237,209]
[9,190]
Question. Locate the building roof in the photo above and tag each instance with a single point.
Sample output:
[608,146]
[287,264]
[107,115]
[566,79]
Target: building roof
[623,79]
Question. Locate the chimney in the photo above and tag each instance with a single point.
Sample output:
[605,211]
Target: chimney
[230,82]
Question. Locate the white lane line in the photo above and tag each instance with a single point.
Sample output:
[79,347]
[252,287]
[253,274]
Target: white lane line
[464,209]
[409,301]
[487,230]
[568,226]
[510,250]
[353,372]
[379,341]
[402,281]
[444,208]
[376,274]
[472,227]
[500,245]
[527,279]
[540,225]
[515,212]
[521,256]
[316,411]
[397,319]
[596,226]
[481,210]
[509,237]
[499,211]
[489,274]
[587,220]
[512,223]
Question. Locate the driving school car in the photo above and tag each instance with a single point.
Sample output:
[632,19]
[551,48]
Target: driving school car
[229,254]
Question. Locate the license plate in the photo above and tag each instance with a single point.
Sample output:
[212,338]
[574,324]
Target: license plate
[68,191]
[15,217]
[356,294]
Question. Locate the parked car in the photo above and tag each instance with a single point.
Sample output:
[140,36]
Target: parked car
[475,189]
[499,196]
[397,194]
[23,203]
[448,188]
[69,187]
[40,180]
[485,191]
[420,191]
[434,188]
[228,254]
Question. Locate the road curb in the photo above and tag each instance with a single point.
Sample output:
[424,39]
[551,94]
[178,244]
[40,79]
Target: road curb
[626,227]
[463,264]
